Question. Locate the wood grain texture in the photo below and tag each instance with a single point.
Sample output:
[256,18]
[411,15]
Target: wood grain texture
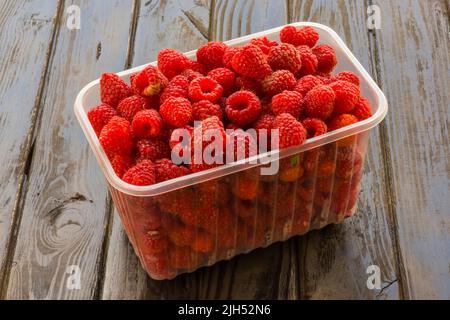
[414,43]
[333,261]
[25,54]
[65,210]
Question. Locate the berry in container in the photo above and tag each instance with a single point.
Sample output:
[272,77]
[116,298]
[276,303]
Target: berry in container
[291,109]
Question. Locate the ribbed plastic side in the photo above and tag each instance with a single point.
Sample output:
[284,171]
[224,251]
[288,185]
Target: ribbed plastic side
[186,229]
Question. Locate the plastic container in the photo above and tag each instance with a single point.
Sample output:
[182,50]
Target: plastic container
[180,225]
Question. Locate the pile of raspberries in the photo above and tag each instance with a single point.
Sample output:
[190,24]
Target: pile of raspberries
[262,85]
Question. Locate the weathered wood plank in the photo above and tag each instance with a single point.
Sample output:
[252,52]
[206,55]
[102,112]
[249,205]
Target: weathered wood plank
[28,28]
[65,211]
[182,25]
[413,58]
[334,260]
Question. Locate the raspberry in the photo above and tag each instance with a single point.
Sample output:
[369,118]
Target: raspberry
[362,109]
[228,56]
[251,62]
[291,132]
[346,76]
[309,61]
[319,102]
[149,82]
[245,188]
[142,174]
[205,109]
[165,170]
[191,75]
[325,168]
[154,242]
[177,88]
[347,96]
[307,83]
[181,235]
[172,63]
[288,102]
[224,77]
[248,84]
[264,44]
[198,67]
[285,57]
[325,77]
[299,36]
[113,89]
[205,88]
[314,127]
[179,142]
[341,121]
[121,164]
[130,106]
[265,122]
[291,170]
[100,115]
[243,107]
[242,144]
[211,54]
[203,242]
[177,112]
[266,105]
[116,137]
[345,169]
[326,56]
[147,124]
[152,149]
[278,81]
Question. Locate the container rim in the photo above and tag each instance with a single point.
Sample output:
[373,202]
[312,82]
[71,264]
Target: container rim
[230,168]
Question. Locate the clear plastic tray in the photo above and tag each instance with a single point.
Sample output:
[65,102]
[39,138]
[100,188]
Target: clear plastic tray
[274,208]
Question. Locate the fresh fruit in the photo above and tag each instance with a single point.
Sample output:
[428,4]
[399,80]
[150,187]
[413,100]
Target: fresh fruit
[251,62]
[165,170]
[299,36]
[176,112]
[314,127]
[211,54]
[307,83]
[288,102]
[326,57]
[285,57]
[130,106]
[224,77]
[142,174]
[149,82]
[291,132]
[100,115]
[116,137]
[152,149]
[205,88]
[243,107]
[309,61]
[362,110]
[147,124]
[278,81]
[319,102]
[204,109]
[347,96]
[172,63]
[113,89]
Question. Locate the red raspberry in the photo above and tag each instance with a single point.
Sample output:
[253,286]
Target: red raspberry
[177,88]
[191,75]
[314,127]
[205,109]
[278,81]
[172,63]
[113,89]
[165,170]
[299,36]
[242,144]
[285,57]
[291,132]
[264,44]
[198,67]
[147,124]
[211,54]
[248,84]
[152,149]
[116,137]
[347,96]
[154,242]
[179,146]
[224,77]
[243,107]
[309,61]
[100,115]
[142,174]
[121,164]
[251,62]
[288,102]
[341,121]
[205,88]
[228,56]
[319,102]
[307,83]
[325,77]
[362,110]
[203,242]
[181,234]
[346,168]
[326,56]
[177,112]
[180,81]
[266,105]
[245,188]
[130,106]
[149,82]
[346,76]
[265,122]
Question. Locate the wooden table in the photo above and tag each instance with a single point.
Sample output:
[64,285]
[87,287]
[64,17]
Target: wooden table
[55,210]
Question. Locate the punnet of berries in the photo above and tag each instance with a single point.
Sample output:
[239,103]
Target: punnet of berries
[156,128]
